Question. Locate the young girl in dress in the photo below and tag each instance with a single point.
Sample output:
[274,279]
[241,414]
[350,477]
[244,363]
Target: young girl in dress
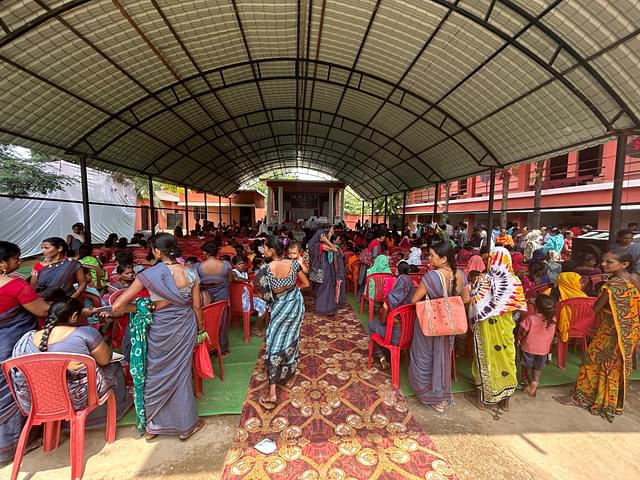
[537,330]
[239,274]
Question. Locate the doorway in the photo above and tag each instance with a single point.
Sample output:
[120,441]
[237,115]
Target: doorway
[246,214]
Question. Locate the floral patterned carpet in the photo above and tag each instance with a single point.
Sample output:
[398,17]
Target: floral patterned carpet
[340,420]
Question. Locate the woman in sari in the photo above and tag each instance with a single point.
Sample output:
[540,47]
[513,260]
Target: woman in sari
[374,248]
[214,277]
[415,256]
[381,265]
[56,270]
[430,366]
[169,405]
[63,334]
[568,287]
[321,259]
[277,282]
[603,378]
[401,294]
[19,305]
[340,268]
[496,296]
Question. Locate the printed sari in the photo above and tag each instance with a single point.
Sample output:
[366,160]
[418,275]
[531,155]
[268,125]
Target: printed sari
[603,378]
[283,331]
[496,296]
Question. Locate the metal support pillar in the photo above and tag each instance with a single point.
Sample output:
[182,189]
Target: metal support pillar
[206,210]
[153,207]
[385,209]
[404,211]
[219,211]
[230,213]
[492,192]
[362,214]
[86,210]
[436,194]
[186,210]
[371,211]
[615,221]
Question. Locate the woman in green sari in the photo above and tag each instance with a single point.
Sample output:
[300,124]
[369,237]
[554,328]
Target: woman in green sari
[496,296]
[380,265]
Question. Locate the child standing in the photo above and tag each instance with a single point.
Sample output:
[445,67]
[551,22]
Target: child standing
[537,330]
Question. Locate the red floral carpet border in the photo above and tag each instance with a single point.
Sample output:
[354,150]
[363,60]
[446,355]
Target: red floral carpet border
[340,420]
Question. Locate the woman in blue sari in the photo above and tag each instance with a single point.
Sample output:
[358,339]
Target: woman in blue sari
[430,367]
[277,283]
[321,259]
[214,277]
[19,305]
[56,270]
[169,404]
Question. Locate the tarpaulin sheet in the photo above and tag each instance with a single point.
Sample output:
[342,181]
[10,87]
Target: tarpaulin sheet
[27,222]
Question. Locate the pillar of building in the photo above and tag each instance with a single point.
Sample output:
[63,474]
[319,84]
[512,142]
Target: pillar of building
[330,215]
[342,204]
[280,205]
[268,210]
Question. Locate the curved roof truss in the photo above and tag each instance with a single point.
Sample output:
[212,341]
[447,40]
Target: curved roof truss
[386,95]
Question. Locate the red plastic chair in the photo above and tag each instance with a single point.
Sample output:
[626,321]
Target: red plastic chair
[416,278]
[46,376]
[109,268]
[407,315]
[212,314]
[583,319]
[235,305]
[378,281]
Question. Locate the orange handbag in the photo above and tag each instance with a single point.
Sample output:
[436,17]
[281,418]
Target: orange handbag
[444,316]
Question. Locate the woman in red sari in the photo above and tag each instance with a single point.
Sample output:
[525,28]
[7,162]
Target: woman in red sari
[603,378]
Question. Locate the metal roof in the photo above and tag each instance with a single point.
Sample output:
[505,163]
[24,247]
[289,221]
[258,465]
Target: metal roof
[385,95]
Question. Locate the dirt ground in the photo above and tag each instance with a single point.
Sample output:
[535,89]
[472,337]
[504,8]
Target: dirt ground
[537,439]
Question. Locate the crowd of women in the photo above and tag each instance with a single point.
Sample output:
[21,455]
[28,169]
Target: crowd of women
[164,294]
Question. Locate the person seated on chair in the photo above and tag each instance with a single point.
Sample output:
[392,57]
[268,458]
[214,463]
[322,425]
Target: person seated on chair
[62,334]
[125,277]
[239,274]
[400,294]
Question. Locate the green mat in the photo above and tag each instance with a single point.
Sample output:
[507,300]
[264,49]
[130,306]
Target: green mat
[551,375]
[224,397]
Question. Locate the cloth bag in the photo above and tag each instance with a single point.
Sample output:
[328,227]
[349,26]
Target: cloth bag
[365,257]
[202,361]
[317,275]
[444,316]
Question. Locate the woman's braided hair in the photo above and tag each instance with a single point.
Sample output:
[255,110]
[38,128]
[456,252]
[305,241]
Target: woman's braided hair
[60,313]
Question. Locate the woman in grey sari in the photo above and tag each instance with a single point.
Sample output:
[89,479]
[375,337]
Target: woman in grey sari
[169,403]
[323,272]
[430,367]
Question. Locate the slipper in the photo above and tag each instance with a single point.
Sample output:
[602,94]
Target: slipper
[226,354]
[196,429]
[438,408]
[256,332]
[504,405]
[266,404]
[149,436]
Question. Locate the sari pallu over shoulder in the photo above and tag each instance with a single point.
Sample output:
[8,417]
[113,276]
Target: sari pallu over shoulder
[59,275]
[169,403]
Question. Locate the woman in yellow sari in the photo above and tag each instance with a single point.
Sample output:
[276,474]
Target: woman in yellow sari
[569,287]
[603,378]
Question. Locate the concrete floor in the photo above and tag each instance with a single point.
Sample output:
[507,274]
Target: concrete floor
[537,439]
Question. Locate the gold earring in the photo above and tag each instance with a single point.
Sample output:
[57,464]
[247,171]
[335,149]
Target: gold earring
[3,270]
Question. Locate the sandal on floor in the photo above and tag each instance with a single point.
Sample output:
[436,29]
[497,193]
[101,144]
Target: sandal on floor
[226,354]
[266,403]
[196,429]
[291,382]
[149,436]
[255,332]
[504,405]
[384,364]
[440,408]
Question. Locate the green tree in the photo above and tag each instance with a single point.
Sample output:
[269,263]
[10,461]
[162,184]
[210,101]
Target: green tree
[23,175]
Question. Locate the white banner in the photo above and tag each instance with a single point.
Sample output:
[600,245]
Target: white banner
[27,222]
